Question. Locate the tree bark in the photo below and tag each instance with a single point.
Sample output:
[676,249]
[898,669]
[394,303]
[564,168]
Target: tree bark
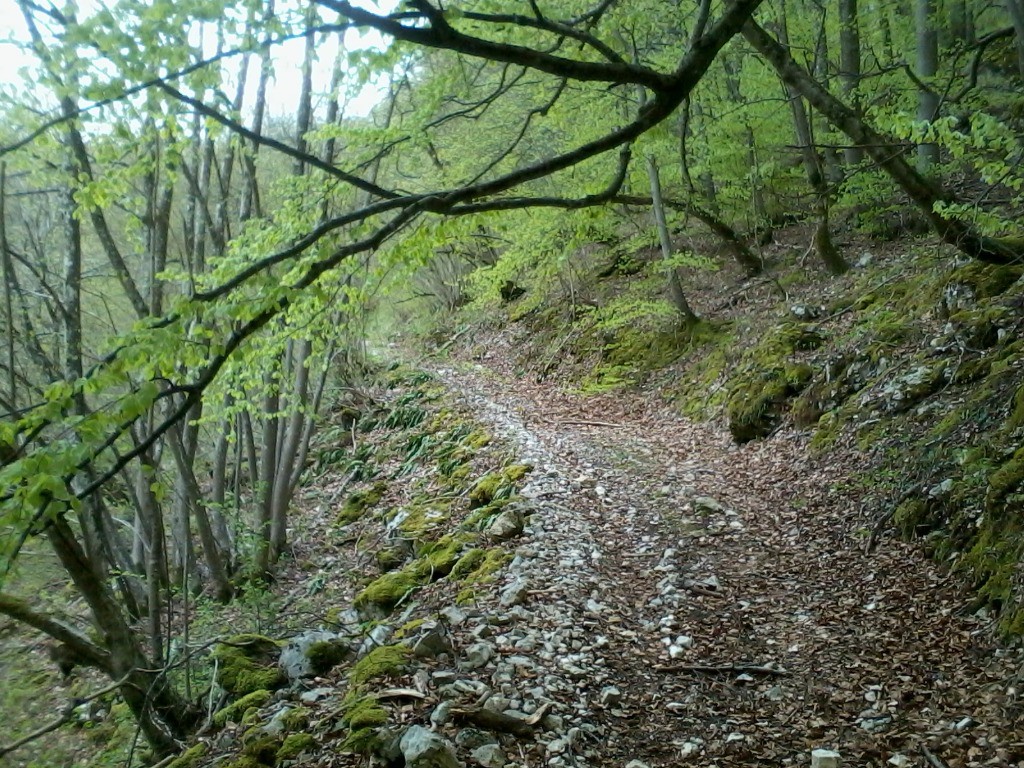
[927,68]
[849,66]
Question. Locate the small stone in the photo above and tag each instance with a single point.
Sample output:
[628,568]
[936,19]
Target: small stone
[497,704]
[489,756]
[433,643]
[454,615]
[422,748]
[507,525]
[825,758]
[707,504]
[610,696]
[308,697]
[899,761]
[471,738]
[964,724]
[515,593]
[477,655]
[442,713]
[636,764]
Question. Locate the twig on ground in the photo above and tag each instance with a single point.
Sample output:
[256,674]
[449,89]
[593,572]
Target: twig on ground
[721,669]
[933,760]
[585,423]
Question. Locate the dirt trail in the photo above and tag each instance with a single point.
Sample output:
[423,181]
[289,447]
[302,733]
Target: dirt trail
[690,602]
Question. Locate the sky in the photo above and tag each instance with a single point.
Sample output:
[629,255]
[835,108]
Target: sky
[283,92]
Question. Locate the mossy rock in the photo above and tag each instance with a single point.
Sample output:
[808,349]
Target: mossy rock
[390,589]
[469,562]
[757,401]
[243,761]
[234,712]
[361,502]
[437,558]
[497,485]
[363,711]
[422,517]
[390,558]
[911,516]
[1005,480]
[294,745]
[985,280]
[365,741]
[326,654]
[263,749]
[191,757]
[384,661]
[248,663]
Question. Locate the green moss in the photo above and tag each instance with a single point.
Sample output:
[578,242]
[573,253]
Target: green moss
[295,719]
[491,562]
[191,757]
[1015,419]
[360,502]
[439,557]
[363,712]
[496,485]
[263,749]
[233,712]
[243,761]
[390,558]
[1005,480]
[910,515]
[294,745]
[468,563]
[385,661]
[422,516]
[757,401]
[986,280]
[388,590]
[248,663]
[365,741]
[408,628]
[325,655]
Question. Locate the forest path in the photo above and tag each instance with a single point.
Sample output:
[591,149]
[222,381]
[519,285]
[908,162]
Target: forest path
[701,603]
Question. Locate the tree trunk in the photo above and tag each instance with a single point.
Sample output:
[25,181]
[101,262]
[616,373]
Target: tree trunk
[1016,10]
[823,246]
[927,68]
[849,66]
[675,286]
[922,191]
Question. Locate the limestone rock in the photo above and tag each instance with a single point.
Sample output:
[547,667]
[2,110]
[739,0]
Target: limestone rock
[312,653]
[477,655]
[422,748]
[515,593]
[489,756]
[825,758]
[507,525]
[431,643]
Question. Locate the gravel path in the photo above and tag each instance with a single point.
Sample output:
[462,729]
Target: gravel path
[683,601]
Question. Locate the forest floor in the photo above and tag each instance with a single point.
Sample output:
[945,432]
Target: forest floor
[721,601]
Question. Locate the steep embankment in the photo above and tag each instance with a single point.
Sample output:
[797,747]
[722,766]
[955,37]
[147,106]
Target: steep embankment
[646,592]
[911,363]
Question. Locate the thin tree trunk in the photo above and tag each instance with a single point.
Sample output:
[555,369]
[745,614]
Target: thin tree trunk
[675,286]
[927,68]
[849,66]
[823,246]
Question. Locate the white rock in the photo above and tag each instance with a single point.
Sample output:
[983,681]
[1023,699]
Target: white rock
[900,761]
[825,758]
